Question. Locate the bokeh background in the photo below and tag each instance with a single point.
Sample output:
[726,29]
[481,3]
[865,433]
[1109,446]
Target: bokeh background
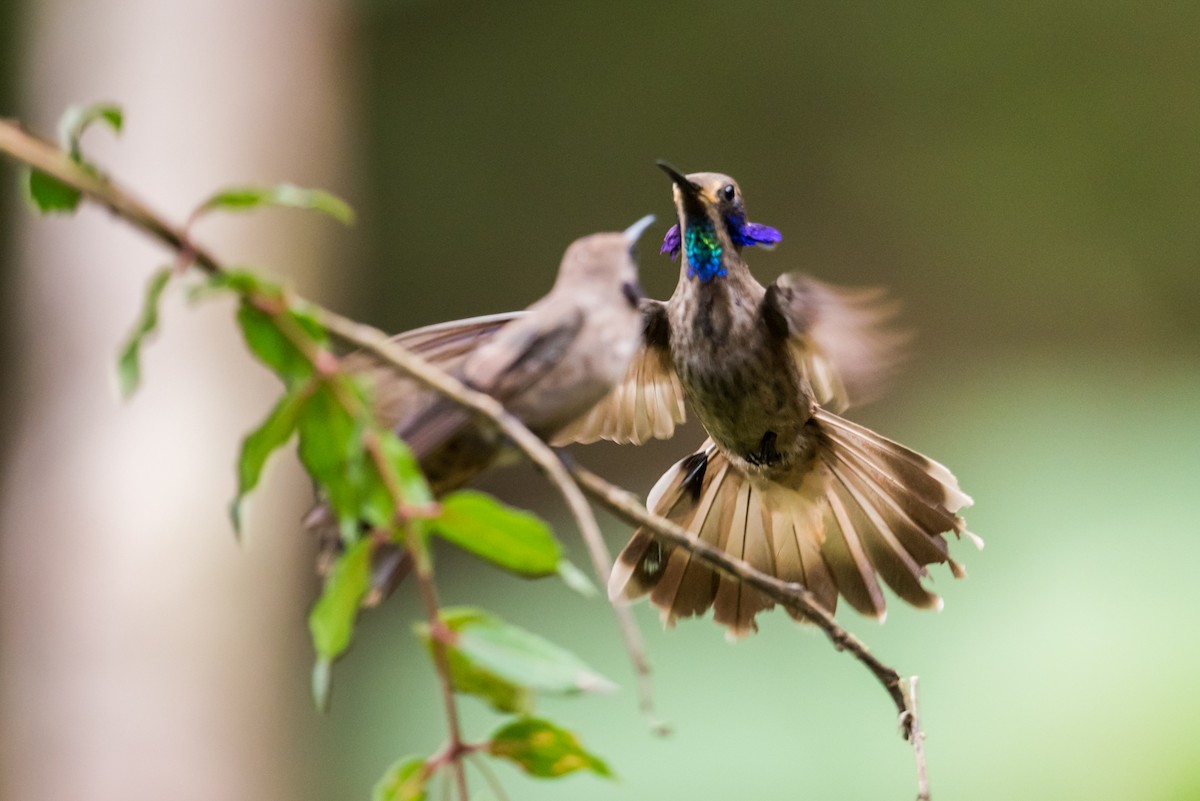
[1025,176]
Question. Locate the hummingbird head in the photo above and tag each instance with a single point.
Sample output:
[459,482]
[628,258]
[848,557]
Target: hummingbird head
[605,262]
[712,219]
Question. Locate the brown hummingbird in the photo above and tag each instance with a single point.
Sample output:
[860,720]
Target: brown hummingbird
[547,364]
[782,482]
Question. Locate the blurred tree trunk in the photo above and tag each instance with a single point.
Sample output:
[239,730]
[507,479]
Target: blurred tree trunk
[143,653]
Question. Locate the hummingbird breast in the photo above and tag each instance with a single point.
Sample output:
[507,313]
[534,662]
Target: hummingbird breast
[741,381]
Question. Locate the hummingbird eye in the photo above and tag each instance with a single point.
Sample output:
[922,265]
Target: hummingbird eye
[728,192]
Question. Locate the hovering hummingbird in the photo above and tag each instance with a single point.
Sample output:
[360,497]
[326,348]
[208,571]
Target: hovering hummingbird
[782,482]
[548,365]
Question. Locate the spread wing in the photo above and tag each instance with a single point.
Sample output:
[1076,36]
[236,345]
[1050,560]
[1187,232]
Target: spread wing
[509,363]
[842,338]
[446,345]
[647,404]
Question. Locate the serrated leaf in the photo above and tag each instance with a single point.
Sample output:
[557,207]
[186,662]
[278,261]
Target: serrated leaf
[516,658]
[248,198]
[48,195]
[331,621]
[77,119]
[129,371]
[259,444]
[511,538]
[544,749]
[405,780]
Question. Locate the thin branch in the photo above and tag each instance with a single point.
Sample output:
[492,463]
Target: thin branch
[489,776]
[437,640]
[49,159]
[438,633]
[918,740]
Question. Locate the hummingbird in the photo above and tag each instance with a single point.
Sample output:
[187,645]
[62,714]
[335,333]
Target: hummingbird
[547,364]
[783,482]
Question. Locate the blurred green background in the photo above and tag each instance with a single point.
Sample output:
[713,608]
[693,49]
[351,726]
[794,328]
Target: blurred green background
[1025,177]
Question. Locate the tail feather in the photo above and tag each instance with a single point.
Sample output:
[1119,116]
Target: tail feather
[735,604]
[902,513]
[847,558]
[715,500]
[865,508]
[685,586]
[932,481]
[888,554]
[898,502]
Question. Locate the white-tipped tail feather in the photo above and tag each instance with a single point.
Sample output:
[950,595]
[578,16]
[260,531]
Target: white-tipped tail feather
[863,507]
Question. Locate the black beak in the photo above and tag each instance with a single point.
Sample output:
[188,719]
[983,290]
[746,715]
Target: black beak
[689,189]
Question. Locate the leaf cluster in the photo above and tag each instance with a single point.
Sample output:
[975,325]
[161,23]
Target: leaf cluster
[376,492]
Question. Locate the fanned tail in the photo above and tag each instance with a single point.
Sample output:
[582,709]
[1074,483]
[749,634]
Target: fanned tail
[863,507]
[766,525]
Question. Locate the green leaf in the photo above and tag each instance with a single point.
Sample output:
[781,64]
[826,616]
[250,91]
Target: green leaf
[259,444]
[241,281]
[331,450]
[513,539]
[331,621]
[543,749]
[503,660]
[49,195]
[76,120]
[281,331]
[576,579]
[248,198]
[405,470]
[273,347]
[129,371]
[405,780]
[333,428]
[471,679]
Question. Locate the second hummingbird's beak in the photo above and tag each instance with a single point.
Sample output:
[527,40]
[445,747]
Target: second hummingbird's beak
[635,231]
[689,189]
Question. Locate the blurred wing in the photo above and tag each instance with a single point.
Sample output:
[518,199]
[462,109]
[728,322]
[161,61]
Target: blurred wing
[445,345]
[518,358]
[647,404]
[842,338]
[511,363]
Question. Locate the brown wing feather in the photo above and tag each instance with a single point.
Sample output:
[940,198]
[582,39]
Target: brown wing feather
[445,344]
[647,404]
[513,362]
[842,338]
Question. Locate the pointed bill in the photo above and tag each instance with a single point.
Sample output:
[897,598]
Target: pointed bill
[635,231]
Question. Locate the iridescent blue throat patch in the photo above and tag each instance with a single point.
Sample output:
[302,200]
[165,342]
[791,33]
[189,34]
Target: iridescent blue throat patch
[704,250]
